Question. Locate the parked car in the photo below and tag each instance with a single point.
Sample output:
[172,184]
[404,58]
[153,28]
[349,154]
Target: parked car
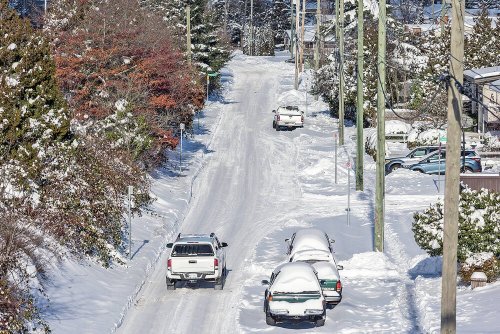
[309,239]
[289,117]
[196,257]
[294,294]
[327,270]
[393,163]
[435,163]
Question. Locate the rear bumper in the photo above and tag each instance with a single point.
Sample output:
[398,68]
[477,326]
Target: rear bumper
[290,125]
[211,276]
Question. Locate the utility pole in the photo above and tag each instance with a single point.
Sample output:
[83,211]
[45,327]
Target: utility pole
[360,102]
[452,170]
[316,49]
[302,35]
[188,25]
[297,10]
[292,29]
[341,72]
[337,20]
[380,170]
[251,28]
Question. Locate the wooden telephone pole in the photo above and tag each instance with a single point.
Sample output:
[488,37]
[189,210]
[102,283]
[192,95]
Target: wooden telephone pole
[360,102]
[452,181]
[341,72]
[380,167]
[188,34]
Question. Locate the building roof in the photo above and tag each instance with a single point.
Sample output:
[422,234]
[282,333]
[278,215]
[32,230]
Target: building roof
[495,86]
[482,75]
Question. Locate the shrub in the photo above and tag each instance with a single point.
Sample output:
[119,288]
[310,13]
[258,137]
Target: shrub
[478,226]
[485,262]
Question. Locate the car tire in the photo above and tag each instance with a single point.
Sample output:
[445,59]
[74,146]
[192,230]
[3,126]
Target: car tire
[274,125]
[394,167]
[170,285]
[270,320]
[277,127]
[320,322]
[219,284]
[468,170]
[418,170]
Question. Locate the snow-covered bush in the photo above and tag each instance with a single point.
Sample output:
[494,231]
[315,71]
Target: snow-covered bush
[418,137]
[485,262]
[491,142]
[393,127]
[479,225]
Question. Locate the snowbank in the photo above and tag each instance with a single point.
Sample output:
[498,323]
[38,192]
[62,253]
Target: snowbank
[369,264]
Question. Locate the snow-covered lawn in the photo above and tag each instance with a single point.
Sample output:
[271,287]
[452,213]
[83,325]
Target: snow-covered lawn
[254,187]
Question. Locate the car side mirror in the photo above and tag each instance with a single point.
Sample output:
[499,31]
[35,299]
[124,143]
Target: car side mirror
[332,241]
[265,282]
[287,240]
[224,244]
[322,282]
[340,267]
[170,245]
[274,110]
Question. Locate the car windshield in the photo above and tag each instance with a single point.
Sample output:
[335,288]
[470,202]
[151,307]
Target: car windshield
[192,250]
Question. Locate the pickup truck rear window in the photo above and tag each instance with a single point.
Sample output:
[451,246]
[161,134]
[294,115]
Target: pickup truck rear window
[193,250]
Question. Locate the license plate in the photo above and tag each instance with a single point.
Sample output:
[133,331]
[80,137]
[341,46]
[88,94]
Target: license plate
[192,275]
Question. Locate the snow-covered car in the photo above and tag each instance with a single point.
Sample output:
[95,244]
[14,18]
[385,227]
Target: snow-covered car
[294,294]
[196,257]
[288,117]
[327,271]
[309,239]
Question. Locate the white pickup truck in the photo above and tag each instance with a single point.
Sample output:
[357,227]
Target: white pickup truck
[196,257]
[289,117]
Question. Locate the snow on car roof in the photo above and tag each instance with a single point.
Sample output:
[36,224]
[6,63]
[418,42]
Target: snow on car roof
[195,238]
[326,270]
[309,239]
[295,277]
[312,254]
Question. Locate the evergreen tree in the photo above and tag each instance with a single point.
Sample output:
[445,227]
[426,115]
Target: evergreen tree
[482,46]
[31,106]
[281,19]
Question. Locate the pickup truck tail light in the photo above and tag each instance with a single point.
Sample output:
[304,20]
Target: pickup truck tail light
[302,118]
[216,264]
[169,264]
[339,286]
[277,117]
[270,298]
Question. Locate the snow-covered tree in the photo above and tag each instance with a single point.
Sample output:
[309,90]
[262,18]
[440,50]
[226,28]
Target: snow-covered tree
[482,46]
[478,225]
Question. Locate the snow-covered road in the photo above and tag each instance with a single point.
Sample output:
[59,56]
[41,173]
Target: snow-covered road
[257,187]
[254,187]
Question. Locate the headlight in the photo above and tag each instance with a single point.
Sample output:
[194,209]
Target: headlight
[312,311]
[279,311]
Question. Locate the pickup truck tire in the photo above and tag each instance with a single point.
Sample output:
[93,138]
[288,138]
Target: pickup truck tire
[277,127]
[170,285]
[270,320]
[219,284]
[320,322]
[274,124]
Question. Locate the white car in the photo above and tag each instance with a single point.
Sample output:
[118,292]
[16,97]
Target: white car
[294,294]
[309,239]
[327,270]
[288,117]
[196,257]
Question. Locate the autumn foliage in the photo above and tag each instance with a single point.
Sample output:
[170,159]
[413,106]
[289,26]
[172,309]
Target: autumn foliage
[116,50]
